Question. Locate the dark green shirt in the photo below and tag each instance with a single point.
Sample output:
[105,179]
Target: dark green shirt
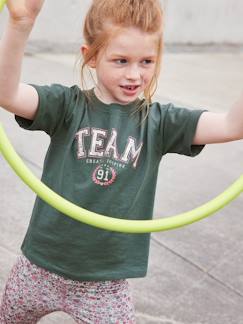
[104,158]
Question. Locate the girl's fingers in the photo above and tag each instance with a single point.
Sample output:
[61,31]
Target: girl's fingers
[24,9]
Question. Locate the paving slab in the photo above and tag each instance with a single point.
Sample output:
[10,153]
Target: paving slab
[195,273]
[177,292]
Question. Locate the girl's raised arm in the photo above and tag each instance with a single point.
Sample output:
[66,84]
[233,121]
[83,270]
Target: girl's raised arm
[221,127]
[18,98]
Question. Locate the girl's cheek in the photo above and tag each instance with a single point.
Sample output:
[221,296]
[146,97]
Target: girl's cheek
[148,79]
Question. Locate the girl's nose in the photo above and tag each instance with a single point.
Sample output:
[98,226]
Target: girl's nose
[133,72]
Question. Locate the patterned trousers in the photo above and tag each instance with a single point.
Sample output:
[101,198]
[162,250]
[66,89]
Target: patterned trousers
[32,292]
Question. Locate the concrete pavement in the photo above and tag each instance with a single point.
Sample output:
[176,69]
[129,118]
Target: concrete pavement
[195,273]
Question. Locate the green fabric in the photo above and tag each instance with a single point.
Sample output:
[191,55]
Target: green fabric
[104,158]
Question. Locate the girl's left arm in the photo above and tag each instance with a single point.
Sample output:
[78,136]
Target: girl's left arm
[220,127]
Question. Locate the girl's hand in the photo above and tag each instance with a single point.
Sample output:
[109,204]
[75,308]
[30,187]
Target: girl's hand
[22,11]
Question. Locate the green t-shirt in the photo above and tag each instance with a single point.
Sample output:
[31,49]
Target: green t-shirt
[104,158]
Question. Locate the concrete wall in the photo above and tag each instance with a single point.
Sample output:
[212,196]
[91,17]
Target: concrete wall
[204,21]
[186,21]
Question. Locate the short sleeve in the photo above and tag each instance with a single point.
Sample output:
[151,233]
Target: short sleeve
[174,129]
[178,130]
[54,108]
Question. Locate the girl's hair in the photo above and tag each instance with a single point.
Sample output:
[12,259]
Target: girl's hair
[104,15]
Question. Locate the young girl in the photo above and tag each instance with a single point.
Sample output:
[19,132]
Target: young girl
[106,146]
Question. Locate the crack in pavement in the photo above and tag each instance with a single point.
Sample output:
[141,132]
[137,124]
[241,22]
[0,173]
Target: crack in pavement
[150,319]
[204,271]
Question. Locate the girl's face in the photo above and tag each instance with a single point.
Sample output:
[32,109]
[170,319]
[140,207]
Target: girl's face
[126,66]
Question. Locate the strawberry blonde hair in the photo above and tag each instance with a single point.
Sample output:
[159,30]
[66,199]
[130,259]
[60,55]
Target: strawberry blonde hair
[104,15]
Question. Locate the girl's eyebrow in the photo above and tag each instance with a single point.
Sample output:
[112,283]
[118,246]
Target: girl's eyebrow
[118,55]
[142,57]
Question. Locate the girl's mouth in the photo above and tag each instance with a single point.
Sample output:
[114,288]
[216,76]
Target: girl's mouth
[130,87]
[130,90]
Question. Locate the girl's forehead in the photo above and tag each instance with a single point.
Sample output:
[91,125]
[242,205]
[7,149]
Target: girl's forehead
[132,40]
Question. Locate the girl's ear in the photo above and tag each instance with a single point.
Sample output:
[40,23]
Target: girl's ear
[85,51]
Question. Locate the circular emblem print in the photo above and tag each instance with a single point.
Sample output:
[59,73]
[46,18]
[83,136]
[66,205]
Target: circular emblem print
[104,175]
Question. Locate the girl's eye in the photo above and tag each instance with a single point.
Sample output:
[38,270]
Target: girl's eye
[121,61]
[146,62]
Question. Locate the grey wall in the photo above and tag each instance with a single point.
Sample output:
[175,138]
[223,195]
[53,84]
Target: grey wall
[186,21]
[204,21]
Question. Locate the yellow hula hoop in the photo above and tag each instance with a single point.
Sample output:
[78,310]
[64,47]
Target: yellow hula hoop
[110,223]
[2,4]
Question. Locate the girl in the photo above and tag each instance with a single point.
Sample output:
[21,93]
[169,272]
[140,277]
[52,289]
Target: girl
[106,146]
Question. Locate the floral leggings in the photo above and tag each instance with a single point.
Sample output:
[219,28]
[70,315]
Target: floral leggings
[32,292]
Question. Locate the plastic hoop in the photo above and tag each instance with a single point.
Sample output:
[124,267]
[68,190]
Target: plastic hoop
[110,223]
[2,4]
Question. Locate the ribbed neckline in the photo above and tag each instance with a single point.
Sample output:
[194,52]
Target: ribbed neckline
[108,108]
